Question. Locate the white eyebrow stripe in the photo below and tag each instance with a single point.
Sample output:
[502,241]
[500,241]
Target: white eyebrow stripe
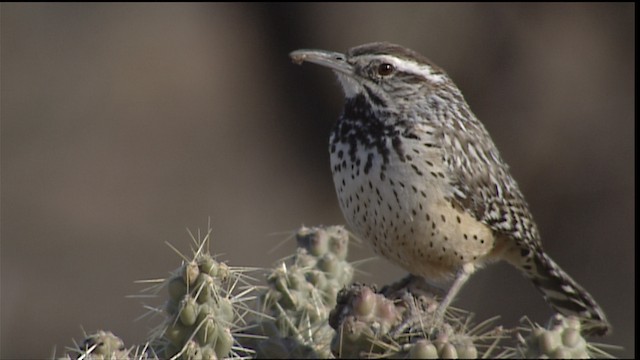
[409,66]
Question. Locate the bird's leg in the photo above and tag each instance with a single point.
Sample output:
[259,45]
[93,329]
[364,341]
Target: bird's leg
[462,276]
[412,291]
[411,317]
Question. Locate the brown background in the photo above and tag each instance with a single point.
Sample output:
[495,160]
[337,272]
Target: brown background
[122,124]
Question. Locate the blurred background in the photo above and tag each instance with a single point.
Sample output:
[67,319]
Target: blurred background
[124,124]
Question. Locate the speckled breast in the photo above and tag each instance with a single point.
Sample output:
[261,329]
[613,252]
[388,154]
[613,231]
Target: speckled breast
[399,201]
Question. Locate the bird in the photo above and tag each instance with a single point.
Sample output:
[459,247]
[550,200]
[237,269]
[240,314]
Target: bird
[418,176]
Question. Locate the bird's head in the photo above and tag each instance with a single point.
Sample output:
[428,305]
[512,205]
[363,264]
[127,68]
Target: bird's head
[386,73]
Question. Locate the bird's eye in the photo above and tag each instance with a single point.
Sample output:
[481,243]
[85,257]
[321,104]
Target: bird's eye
[385,69]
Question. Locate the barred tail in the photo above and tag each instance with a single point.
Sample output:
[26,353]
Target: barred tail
[566,296]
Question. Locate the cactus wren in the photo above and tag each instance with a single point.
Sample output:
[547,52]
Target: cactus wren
[418,176]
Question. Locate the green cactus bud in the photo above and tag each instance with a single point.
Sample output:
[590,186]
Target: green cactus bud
[177,333]
[204,286]
[305,260]
[297,280]
[225,311]
[448,351]
[387,312]
[548,342]
[339,242]
[423,349]
[208,352]
[208,265]
[188,311]
[571,337]
[467,351]
[208,331]
[365,302]
[223,343]
[190,273]
[330,265]
[224,272]
[330,293]
[191,351]
[104,344]
[317,278]
[314,240]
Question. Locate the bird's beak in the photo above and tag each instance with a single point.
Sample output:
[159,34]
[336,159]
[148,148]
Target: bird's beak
[332,60]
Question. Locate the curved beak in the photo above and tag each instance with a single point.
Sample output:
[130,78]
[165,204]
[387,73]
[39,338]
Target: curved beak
[332,60]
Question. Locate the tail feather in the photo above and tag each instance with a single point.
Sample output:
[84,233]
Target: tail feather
[566,296]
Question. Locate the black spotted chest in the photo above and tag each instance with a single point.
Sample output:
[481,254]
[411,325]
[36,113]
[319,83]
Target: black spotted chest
[392,189]
[379,186]
[379,170]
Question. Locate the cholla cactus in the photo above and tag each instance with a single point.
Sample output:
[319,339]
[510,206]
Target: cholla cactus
[103,345]
[300,294]
[396,324]
[309,308]
[562,339]
[206,298]
[463,348]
